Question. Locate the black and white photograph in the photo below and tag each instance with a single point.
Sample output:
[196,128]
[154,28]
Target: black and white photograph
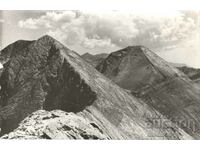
[100,75]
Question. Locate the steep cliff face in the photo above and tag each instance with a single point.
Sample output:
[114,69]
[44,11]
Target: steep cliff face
[12,49]
[37,76]
[44,74]
[157,83]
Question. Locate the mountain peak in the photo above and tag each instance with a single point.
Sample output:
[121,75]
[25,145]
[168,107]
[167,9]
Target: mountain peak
[46,37]
[136,47]
[120,65]
[130,50]
[155,81]
[44,74]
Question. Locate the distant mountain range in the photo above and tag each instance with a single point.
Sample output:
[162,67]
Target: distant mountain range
[49,92]
[94,59]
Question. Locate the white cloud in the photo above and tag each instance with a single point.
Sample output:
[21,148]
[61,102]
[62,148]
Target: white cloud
[2,20]
[94,30]
[109,30]
[33,23]
[186,52]
[49,20]
[97,43]
[64,16]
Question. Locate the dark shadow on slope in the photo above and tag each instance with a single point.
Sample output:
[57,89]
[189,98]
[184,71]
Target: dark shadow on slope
[68,91]
[65,88]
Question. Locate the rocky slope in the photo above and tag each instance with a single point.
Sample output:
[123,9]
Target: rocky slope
[44,74]
[197,82]
[94,59]
[157,83]
[192,73]
[56,125]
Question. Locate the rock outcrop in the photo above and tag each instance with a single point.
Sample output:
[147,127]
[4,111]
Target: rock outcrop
[44,74]
[56,125]
[157,83]
[192,73]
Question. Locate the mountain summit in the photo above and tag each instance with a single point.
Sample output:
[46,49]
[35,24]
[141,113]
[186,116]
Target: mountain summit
[44,74]
[136,67]
[157,83]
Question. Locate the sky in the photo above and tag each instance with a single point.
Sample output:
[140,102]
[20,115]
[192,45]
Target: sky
[173,35]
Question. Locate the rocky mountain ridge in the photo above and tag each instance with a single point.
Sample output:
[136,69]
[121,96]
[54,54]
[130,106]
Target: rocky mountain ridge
[56,125]
[192,73]
[157,83]
[44,74]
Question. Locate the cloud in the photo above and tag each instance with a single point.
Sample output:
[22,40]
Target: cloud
[109,30]
[186,52]
[49,20]
[2,20]
[96,30]
[97,43]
